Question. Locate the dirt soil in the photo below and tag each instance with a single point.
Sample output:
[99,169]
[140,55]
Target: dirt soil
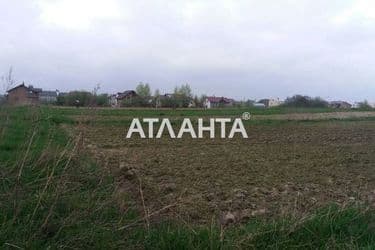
[289,168]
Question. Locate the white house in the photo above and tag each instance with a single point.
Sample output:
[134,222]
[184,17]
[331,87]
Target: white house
[271,102]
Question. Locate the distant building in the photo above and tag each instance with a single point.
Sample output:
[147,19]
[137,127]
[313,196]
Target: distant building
[113,100]
[168,95]
[48,96]
[356,105]
[28,95]
[217,102]
[268,103]
[259,105]
[126,94]
[192,104]
[116,99]
[23,95]
[340,105]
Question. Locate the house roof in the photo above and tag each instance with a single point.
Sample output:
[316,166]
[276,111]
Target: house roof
[16,87]
[258,104]
[214,99]
[36,90]
[29,88]
[126,94]
[339,102]
[48,93]
[163,97]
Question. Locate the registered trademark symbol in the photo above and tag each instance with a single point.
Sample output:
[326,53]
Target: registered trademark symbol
[246,116]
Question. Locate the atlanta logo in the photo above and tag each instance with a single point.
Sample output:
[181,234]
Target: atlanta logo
[194,130]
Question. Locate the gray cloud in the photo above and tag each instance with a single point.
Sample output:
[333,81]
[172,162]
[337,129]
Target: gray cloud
[244,49]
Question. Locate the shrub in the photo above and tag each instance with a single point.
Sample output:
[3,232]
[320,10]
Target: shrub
[305,102]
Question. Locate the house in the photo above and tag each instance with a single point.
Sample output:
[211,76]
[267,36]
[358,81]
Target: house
[113,100]
[340,105]
[259,105]
[217,102]
[270,102]
[192,104]
[128,94]
[23,95]
[28,95]
[48,96]
[357,105]
[116,99]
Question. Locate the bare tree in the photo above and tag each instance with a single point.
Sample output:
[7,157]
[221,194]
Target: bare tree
[96,89]
[8,80]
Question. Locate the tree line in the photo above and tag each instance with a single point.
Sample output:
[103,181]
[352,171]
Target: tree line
[181,97]
[315,102]
[82,99]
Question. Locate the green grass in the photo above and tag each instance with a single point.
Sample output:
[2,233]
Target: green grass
[52,194]
[47,197]
[146,112]
[124,116]
[330,227]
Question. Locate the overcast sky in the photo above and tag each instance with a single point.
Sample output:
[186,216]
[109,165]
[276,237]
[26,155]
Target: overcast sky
[242,49]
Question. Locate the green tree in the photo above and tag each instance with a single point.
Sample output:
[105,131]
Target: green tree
[157,93]
[182,96]
[136,101]
[143,90]
[78,98]
[364,105]
[102,100]
[305,102]
[184,90]
[143,98]
[82,98]
[156,99]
